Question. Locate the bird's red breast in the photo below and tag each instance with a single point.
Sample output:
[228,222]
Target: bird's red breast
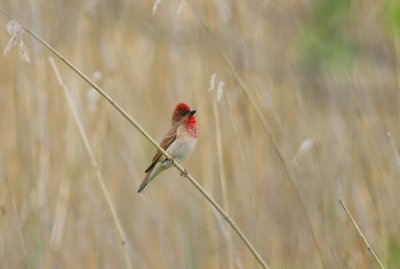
[179,142]
[191,127]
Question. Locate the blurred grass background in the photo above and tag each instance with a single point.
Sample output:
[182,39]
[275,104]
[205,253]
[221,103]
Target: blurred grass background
[325,74]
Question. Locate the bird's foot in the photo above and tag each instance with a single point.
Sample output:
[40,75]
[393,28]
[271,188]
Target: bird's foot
[184,173]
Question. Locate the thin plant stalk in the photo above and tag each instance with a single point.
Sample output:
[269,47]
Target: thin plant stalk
[94,162]
[360,233]
[132,121]
[221,167]
[236,131]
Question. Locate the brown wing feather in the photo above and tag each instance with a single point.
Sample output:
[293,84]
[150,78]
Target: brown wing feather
[165,143]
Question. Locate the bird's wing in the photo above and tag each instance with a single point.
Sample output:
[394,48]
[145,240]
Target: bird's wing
[165,143]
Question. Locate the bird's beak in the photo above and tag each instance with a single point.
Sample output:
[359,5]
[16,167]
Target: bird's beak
[191,112]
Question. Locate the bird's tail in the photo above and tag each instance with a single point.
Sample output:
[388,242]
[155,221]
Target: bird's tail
[145,183]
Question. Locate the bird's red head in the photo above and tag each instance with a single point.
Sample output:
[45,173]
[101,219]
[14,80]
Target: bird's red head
[182,114]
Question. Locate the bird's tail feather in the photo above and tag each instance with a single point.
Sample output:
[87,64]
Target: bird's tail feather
[150,176]
[146,181]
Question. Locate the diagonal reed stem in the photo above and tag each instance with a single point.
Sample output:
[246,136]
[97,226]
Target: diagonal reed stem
[132,121]
[360,233]
[266,127]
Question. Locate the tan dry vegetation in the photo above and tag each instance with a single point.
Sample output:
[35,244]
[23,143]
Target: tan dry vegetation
[53,213]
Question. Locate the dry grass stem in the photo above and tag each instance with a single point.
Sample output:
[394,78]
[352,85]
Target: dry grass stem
[360,233]
[94,162]
[221,168]
[239,142]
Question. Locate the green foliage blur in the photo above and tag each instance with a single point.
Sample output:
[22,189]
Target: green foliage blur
[326,42]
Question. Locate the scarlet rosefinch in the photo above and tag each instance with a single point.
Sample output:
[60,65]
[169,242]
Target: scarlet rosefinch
[179,143]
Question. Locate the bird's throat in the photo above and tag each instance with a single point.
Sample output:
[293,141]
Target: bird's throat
[192,128]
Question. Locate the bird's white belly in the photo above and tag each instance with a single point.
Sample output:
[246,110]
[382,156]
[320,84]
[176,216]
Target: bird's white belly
[181,148]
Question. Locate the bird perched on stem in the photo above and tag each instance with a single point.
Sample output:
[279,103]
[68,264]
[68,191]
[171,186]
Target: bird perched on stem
[179,143]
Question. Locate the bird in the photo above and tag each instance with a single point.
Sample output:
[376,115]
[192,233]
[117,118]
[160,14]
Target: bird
[179,142]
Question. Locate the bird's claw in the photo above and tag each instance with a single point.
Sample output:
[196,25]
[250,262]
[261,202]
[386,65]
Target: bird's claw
[184,173]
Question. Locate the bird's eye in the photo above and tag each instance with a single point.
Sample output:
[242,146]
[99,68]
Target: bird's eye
[183,112]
